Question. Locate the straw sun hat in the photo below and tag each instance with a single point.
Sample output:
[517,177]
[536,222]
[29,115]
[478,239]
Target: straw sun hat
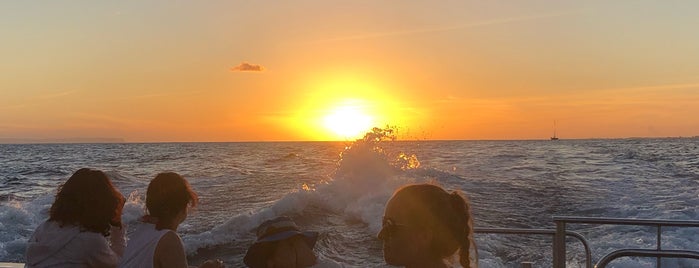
[270,232]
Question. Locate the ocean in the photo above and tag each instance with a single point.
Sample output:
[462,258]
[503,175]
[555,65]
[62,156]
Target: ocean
[340,188]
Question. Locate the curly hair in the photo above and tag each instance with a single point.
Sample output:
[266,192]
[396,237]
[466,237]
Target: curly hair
[88,200]
[168,194]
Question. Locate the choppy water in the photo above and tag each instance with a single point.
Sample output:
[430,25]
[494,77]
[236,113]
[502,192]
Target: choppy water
[341,193]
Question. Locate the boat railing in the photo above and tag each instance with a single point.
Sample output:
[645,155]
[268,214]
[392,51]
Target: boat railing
[548,232]
[560,233]
[559,240]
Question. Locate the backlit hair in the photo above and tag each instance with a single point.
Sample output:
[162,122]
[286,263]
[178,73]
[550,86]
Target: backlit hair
[448,215]
[168,194]
[88,200]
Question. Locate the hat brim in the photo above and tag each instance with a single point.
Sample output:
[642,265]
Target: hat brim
[259,252]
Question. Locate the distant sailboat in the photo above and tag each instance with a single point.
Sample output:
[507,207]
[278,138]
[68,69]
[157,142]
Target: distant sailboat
[554,138]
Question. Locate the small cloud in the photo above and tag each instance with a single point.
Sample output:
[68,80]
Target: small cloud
[247,67]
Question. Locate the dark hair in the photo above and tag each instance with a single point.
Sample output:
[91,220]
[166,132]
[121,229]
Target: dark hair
[89,200]
[448,215]
[168,194]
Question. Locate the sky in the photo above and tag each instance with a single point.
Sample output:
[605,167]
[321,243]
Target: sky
[162,71]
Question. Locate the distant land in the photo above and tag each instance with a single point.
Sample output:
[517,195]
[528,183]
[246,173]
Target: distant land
[61,140]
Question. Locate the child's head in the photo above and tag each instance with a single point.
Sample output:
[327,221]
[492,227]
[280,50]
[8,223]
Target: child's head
[168,196]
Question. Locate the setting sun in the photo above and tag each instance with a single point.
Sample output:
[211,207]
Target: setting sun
[343,105]
[348,121]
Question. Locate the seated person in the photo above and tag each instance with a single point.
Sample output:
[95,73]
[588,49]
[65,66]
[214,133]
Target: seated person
[156,242]
[87,209]
[280,243]
[424,226]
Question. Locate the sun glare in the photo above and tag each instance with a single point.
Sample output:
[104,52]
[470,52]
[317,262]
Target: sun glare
[344,107]
[348,121]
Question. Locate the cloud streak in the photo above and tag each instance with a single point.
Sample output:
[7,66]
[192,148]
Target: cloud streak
[660,87]
[57,94]
[451,28]
[247,67]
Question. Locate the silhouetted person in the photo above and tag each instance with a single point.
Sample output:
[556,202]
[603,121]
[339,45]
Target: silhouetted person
[155,243]
[280,243]
[87,209]
[424,225]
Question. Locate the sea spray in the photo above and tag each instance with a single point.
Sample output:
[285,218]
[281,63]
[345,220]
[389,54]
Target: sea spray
[17,222]
[365,178]
[134,208]
[241,225]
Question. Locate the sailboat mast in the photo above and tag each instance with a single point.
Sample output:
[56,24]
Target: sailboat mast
[554,138]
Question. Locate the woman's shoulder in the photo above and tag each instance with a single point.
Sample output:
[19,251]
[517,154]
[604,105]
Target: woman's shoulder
[52,229]
[147,233]
[169,241]
[91,239]
[149,229]
[170,236]
[170,251]
[50,225]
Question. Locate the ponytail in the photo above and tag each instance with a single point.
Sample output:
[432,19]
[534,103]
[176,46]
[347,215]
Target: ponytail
[463,230]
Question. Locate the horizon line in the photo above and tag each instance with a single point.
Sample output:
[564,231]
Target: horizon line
[9,141]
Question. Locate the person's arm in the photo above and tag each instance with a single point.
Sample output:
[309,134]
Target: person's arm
[117,239]
[97,250]
[169,252]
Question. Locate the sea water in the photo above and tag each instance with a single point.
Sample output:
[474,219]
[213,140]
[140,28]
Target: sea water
[340,189]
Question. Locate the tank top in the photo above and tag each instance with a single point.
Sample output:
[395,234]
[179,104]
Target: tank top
[141,246]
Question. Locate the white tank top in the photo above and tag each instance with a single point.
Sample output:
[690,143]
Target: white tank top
[141,246]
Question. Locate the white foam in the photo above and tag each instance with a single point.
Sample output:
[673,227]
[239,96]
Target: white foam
[134,208]
[242,224]
[18,219]
[364,181]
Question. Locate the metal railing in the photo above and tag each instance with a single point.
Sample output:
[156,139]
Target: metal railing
[559,242]
[560,233]
[549,232]
[647,253]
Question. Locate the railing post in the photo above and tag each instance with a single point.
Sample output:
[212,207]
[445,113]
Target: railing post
[658,245]
[559,245]
[527,264]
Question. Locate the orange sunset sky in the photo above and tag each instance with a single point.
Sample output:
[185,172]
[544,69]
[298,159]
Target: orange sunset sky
[150,71]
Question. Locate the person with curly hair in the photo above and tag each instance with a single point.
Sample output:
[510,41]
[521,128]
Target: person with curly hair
[86,211]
